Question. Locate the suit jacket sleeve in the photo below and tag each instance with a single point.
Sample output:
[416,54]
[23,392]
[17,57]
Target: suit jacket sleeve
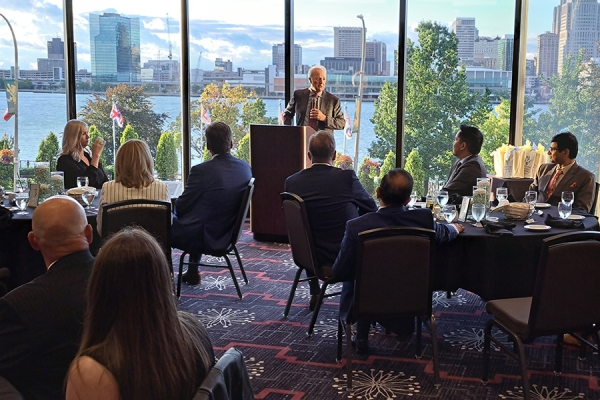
[585,193]
[15,348]
[363,200]
[290,110]
[194,188]
[345,263]
[465,179]
[336,120]
[444,233]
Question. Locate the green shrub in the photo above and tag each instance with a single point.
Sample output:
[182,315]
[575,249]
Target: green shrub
[166,157]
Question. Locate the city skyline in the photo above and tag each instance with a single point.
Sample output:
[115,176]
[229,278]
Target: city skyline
[249,44]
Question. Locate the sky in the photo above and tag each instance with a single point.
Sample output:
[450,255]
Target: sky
[243,31]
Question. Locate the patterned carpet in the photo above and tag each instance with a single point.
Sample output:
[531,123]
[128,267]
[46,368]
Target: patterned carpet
[284,364]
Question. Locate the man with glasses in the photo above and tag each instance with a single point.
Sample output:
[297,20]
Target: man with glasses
[314,106]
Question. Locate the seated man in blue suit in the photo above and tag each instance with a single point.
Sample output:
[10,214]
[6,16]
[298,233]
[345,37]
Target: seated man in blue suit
[393,194]
[332,197]
[206,210]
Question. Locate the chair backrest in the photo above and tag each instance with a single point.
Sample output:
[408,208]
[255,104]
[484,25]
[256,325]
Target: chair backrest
[566,288]
[392,272]
[595,202]
[152,215]
[241,216]
[227,380]
[299,234]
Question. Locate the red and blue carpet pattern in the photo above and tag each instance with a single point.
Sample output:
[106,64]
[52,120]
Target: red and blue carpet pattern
[285,365]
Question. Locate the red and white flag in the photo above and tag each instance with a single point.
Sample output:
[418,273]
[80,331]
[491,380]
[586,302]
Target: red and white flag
[7,115]
[348,127]
[116,116]
[204,115]
[280,119]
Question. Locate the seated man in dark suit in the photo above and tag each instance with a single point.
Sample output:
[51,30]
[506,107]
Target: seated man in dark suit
[332,196]
[469,166]
[206,210]
[41,322]
[564,174]
[393,194]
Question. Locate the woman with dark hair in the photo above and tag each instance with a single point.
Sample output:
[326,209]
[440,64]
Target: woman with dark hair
[77,159]
[135,344]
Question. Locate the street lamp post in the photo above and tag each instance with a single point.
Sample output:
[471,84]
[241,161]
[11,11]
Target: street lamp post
[360,92]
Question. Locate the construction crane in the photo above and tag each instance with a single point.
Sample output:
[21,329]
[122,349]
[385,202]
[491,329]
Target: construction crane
[169,37]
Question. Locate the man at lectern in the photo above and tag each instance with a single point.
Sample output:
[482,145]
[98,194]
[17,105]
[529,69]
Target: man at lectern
[314,106]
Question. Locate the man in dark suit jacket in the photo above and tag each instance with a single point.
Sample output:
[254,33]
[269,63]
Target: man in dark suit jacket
[393,194]
[332,197]
[206,210]
[41,322]
[469,166]
[314,106]
[569,175]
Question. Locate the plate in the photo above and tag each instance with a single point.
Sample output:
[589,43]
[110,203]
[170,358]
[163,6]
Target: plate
[542,205]
[537,227]
[575,216]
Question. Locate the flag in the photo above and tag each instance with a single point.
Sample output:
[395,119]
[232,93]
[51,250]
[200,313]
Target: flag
[204,115]
[11,98]
[280,114]
[116,116]
[356,123]
[348,127]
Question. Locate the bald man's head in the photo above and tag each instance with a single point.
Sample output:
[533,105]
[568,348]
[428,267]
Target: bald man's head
[395,187]
[321,147]
[59,228]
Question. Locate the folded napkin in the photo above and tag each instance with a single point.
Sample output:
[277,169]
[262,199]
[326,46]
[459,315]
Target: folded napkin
[498,228]
[557,222]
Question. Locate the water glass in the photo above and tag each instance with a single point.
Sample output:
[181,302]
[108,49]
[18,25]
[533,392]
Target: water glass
[567,197]
[531,197]
[82,181]
[449,211]
[478,212]
[564,209]
[21,202]
[442,197]
[413,200]
[88,197]
[501,193]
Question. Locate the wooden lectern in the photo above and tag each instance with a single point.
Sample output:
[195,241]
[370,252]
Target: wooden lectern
[276,152]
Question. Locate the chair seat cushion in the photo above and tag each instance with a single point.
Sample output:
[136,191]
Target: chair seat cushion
[513,313]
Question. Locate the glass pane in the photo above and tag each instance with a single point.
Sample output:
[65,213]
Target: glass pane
[41,96]
[232,69]
[129,63]
[565,93]
[459,72]
[333,38]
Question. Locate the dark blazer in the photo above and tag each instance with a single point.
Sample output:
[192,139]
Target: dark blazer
[463,176]
[329,105]
[73,169]
[577,179]
[41,325]
[206,210]
[345,264]
[332,196]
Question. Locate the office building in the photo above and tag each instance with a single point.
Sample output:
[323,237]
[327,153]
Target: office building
[221,65]
[378,52]
[279,57]
[547,55]
[504,59]
[466,33]
[485,51]
[114,48]
[56,56]
[347,42]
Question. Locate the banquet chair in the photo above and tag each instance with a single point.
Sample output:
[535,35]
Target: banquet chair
[393,267]
[567,280]
[304,254]
[229,250]
[152,215]
[595,202]
[227,380]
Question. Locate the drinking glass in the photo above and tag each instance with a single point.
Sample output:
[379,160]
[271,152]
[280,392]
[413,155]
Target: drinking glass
[442,197]
[502,193]
[478,212]
[564,209]
[449,211]
[21,202]
[567,197]
[413,200]
[88,198]
[82,181]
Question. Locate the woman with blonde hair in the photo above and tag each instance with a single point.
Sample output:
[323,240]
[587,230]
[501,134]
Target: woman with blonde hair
[134,178]
[77,159]
[135,344]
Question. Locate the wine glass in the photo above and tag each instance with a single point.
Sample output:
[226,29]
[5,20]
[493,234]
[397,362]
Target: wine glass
[442,197]
[82,181]
[502,193]
[531,198]
[88,197]
[449,211]
[478,212]
[413,200]
[564,209]
[567,197]
[21,202]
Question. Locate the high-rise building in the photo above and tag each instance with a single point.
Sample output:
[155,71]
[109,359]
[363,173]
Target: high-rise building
[547,55]
[347,42]
[504,59]
[115,48]
[279,57]
[378,52]
[56,56]
[221,65]
[466,33]
[577,23]
[485,51]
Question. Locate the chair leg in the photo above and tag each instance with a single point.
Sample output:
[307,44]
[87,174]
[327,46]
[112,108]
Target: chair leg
[521,353]
[558,354]
[486,351]
[239,260]
[292,292]
[235,282]
[349,357]
[181,262]
[434,345]
[418,352]
[339,341]
[313,319]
